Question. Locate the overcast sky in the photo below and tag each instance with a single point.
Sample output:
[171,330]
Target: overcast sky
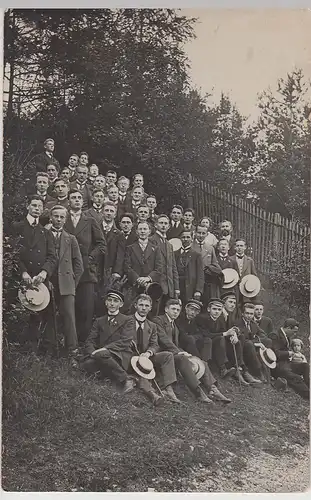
[242,52]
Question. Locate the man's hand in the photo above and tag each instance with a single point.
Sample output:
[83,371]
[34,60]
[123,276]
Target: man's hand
[184,353]
[40,278]
[27,278]
[146,354]
[234,339]
[259,344]
[229,333]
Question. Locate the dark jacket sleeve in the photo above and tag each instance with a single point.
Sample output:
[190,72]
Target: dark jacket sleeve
[175,272]
[280,350]
[98,241]
[153,341]
[119,261]
[91,342]
[200,274]
[164,342]
[126,336]
[155,275]
[128,269]
[51,259]
[77,261]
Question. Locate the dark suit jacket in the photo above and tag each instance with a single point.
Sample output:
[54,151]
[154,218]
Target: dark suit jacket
[114,257]
[188,334]
[248,266]
[36,249]
[231,243]
[42,160]
[116,337]
[168,339]
[98,216]
[86,194]
[281,346]
[150,336]
[169,278]
[138,264]
[45,217]
[194,273]
[207,327]
[175,232]
[266,325]
[255,334]
[225,263]
[70,264]
[91,242]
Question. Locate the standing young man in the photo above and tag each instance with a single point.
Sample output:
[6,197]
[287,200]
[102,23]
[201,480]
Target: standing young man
[176,222]
[46,158]
[189,265]
[81,185]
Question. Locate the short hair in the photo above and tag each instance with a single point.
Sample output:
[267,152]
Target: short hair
[179,208]
[112,187]
[223,239]
[142,206]
[136,175]
[202,227]
[187,231]
[138,187]
[112,172]
[42,174]
[290,323]
[143,296]
[109,203]
[143,222]
[258,303]
[151,196]
[61,180]
[72,191]
[163,215]
[84,153]
[52,165]
[100,175]
[97,190]
[172,302]
[33,197]
[74,154]
[82,166]
[205,217]
[58,207]
[47,140]
[189,210]
[129,215]
[296,341]
[123,178]
[250,305]
[240,239]
[225,220]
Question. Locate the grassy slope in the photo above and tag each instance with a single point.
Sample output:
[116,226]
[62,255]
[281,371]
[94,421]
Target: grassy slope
[64,432]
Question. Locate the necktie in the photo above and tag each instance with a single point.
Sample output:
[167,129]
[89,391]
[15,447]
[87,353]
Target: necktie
[34,224]
[56,232]
[201,246]
[140,335]
[111,317]
[239,256]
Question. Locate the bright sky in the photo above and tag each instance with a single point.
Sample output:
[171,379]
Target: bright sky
[242,52]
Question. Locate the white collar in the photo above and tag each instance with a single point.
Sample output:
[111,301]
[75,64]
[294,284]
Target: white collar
[143,242]
[32,219]
[170,319]
[62,199]
[140,318]
[162,235]
[49,154]
[42,194]
[76,214]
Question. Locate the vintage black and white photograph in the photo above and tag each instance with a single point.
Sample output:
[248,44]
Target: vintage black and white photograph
[156,247]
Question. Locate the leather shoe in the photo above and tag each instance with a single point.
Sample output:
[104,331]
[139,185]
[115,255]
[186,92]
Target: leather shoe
[224,372]
[155,398]
[170,394]
[239,377]
[201,396]
[252,380]
[128,386]
[216,394]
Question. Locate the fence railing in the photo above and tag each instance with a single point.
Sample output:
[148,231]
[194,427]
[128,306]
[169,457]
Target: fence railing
[269,236]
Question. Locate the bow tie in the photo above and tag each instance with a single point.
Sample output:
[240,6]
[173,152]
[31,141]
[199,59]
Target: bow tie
[184,250]
[239,256]
[56,230]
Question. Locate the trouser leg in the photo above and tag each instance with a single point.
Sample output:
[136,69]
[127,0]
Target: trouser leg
[111,368]
[84,309]
[208,379]
[67,311]
[219,355]
[205,348]
[251,358]
[295,381]
[230,352]
[183,364]
[302,369]
[165,368]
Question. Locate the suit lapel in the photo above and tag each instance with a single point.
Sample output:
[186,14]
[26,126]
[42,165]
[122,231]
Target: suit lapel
[245,264]
[37,235]
[63,244]
[149,250]
[138,252]
[81,224]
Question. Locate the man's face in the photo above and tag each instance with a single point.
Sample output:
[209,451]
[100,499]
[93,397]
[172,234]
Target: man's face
[42,184]
[61,189]
[240,247]
[186,239]
[113,193]
[205,223]
[215,311]
[138,181]
[248,313]
[84,159]
[151,203]
[52,172]
[111,179]
[191,312]
[109,213]
[188,217]
[143,213]
[143,231]
[82,173]
[201,234]
[162,225]
[49,146]
[35,208]
[123,185]
[291,332]
[99,182]
[113,304]
[258,311]
[65,174]
[223,246]
[73,161]
[173,311]
[230,304]
[137,194]
[143,307]
[58,218]
[176,214]
[93,170]
[75,201]
[126,225]
[226,228]
[98,198]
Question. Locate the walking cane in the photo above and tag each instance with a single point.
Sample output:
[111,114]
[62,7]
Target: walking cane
[236,364]
[155,382]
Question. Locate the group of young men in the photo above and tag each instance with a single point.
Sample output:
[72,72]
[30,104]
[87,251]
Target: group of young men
[99,245]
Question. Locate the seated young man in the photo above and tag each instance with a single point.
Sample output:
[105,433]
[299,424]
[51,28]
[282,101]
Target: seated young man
[213,332]
[262,321]
[145,343]
[113,334]
[168,338]
[187,326]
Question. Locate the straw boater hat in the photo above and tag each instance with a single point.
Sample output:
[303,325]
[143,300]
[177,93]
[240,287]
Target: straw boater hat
[250,285]
[176,243]
[231,277]
[198,366]
[143,366]
[35,298]
[268,357]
